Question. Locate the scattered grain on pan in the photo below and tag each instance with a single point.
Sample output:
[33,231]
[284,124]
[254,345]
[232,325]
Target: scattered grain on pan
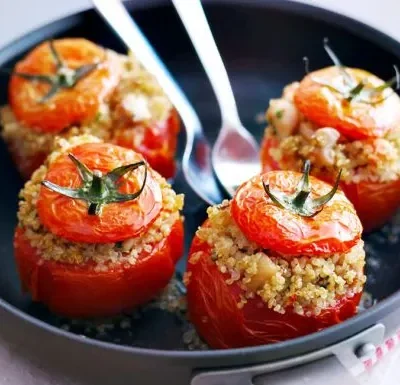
[125,323]
[172,299]
[260,118]
[122,329]
[366,302]
[192,340]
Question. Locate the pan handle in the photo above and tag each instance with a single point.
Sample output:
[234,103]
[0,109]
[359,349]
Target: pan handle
[339,363]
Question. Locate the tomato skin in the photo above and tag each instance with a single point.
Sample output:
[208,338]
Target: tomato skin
[268,163]
[26,165]
[68,106]
[333,230]
[212,306]
[68,218]
[357,120]
[158,146]
[375,203]
[79,105]
[79,291]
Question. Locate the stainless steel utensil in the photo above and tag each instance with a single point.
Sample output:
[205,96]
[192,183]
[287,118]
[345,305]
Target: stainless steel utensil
[235,156]
[196,162]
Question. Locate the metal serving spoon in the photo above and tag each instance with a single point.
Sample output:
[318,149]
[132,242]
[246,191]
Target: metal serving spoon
[196,162]
[235,155]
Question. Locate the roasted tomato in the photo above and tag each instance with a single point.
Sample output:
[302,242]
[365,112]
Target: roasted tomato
[333,230]
[341,117]
[317,99]
[68,218]
[158,145]
[267,161]
[214,310]
[72,86]
[375,202]
[96,195]
[27,164]
[283,228]
[82,291]
[61,83]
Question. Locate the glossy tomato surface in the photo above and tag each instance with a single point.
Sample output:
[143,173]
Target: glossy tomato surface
[81,291]
[68,106]
[213,309]
[68,218]
[26,165]
[268,163]
[335,229]
[158,145]
[355,120]
[374,202]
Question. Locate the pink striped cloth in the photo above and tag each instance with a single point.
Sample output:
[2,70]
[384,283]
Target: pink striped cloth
[382,350]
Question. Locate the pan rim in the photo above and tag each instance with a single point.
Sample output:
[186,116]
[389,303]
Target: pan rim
[320,339]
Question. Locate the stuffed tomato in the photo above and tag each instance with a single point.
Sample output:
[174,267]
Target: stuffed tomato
[99,232]
[341,118]
[72,86]
[280,260]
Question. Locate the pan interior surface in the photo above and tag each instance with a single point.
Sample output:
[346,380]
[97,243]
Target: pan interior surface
[263,48]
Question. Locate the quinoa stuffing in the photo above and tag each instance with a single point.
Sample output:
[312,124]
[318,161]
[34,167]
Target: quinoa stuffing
[137,102]
[372,159]
[55,248]
[308,284]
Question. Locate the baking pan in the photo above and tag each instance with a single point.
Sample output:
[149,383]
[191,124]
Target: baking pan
[262,43]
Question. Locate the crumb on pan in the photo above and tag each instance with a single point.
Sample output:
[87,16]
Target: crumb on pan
[309,284]
[56,248]
[120,329]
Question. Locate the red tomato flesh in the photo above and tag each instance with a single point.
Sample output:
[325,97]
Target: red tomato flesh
[80,291]
[212,306]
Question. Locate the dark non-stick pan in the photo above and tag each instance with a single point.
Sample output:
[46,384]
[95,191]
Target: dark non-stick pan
[262,43]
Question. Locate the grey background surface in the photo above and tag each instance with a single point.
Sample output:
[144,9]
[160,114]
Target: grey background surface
[19,16]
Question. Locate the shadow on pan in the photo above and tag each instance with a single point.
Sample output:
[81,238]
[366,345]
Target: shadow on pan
[262,44]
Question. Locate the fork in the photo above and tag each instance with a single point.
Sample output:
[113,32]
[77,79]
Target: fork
[235,156]
[196,162]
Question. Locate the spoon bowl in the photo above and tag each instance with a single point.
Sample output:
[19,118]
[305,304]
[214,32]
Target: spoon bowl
[235,156]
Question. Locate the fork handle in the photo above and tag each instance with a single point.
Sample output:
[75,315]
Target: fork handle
[194,19]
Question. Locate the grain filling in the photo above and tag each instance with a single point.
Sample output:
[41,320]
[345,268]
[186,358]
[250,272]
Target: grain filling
[52,247]
[374,160]
[308,284]
[137,101]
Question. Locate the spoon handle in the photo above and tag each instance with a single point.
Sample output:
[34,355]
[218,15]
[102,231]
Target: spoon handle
[194,19]
[116,15]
